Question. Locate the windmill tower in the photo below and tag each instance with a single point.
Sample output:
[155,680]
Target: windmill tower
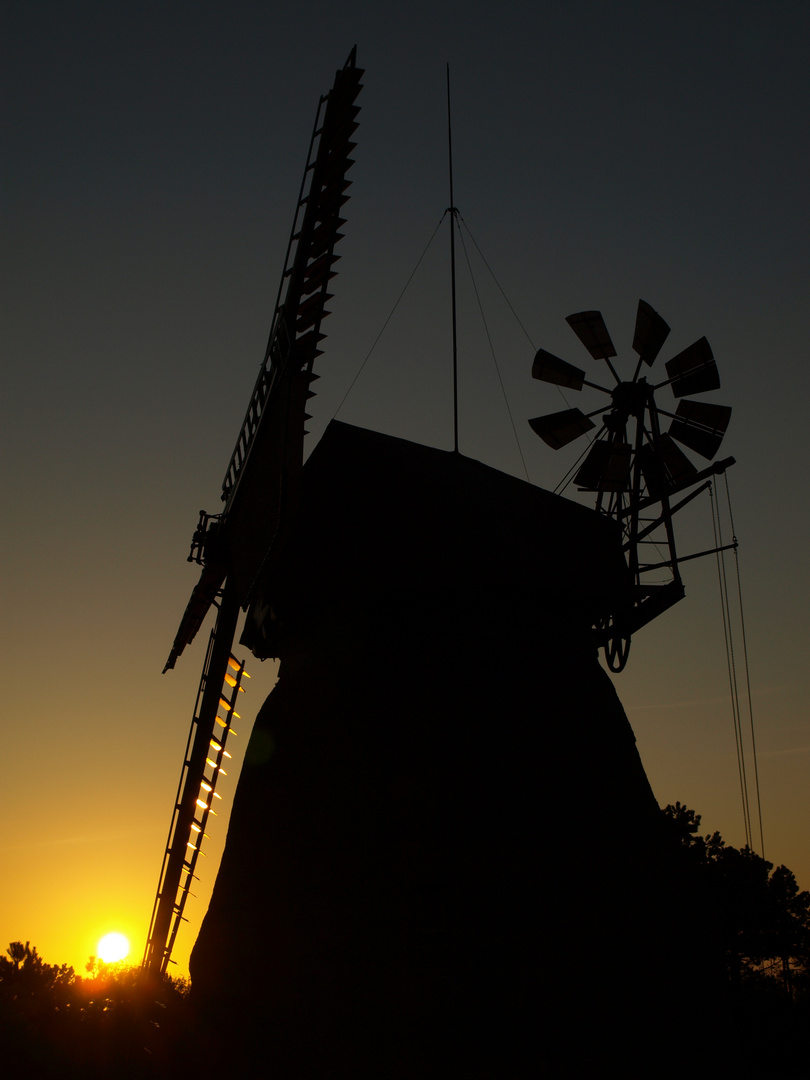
[429,839]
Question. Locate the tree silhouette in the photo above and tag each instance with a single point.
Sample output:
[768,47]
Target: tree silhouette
[117,1021]
[26,976]
[763,917]
[18,952]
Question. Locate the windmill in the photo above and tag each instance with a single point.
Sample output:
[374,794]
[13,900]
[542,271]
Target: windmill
[635,467]
[239,548]
[439,711]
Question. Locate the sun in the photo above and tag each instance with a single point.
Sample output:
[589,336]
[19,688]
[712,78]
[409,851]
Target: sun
[112,948]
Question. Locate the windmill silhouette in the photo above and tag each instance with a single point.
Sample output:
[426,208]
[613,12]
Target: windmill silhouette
[405,850]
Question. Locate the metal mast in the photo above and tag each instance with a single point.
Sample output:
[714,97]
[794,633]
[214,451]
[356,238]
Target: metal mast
[453,212]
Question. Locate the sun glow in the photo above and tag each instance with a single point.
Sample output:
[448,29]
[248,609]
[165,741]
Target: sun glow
[112,948]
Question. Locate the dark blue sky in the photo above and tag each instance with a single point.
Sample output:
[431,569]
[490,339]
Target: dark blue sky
[152,155]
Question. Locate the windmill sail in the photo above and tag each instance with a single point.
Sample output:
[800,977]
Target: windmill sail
[236,548]
[262,478]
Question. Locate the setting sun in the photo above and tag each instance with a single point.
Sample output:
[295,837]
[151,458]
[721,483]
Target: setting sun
[112,948]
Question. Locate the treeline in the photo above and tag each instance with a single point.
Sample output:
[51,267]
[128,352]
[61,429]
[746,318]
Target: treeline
[115,1021]
[757,920]
[761,920]
[119,1021]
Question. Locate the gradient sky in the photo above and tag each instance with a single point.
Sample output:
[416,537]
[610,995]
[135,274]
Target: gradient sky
[151,158]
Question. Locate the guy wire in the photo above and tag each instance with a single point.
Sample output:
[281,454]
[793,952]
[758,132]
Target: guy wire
[732,674]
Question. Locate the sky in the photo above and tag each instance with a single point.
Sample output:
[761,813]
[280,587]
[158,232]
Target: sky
[152,155]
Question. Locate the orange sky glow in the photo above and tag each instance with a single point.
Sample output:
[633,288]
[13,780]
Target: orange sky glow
[152,169]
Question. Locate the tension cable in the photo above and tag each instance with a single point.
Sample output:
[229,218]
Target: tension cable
[728,633]
[390,316]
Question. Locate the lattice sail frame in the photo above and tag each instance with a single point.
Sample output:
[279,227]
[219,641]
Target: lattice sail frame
[261,482]
[239,547]
[203,765]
